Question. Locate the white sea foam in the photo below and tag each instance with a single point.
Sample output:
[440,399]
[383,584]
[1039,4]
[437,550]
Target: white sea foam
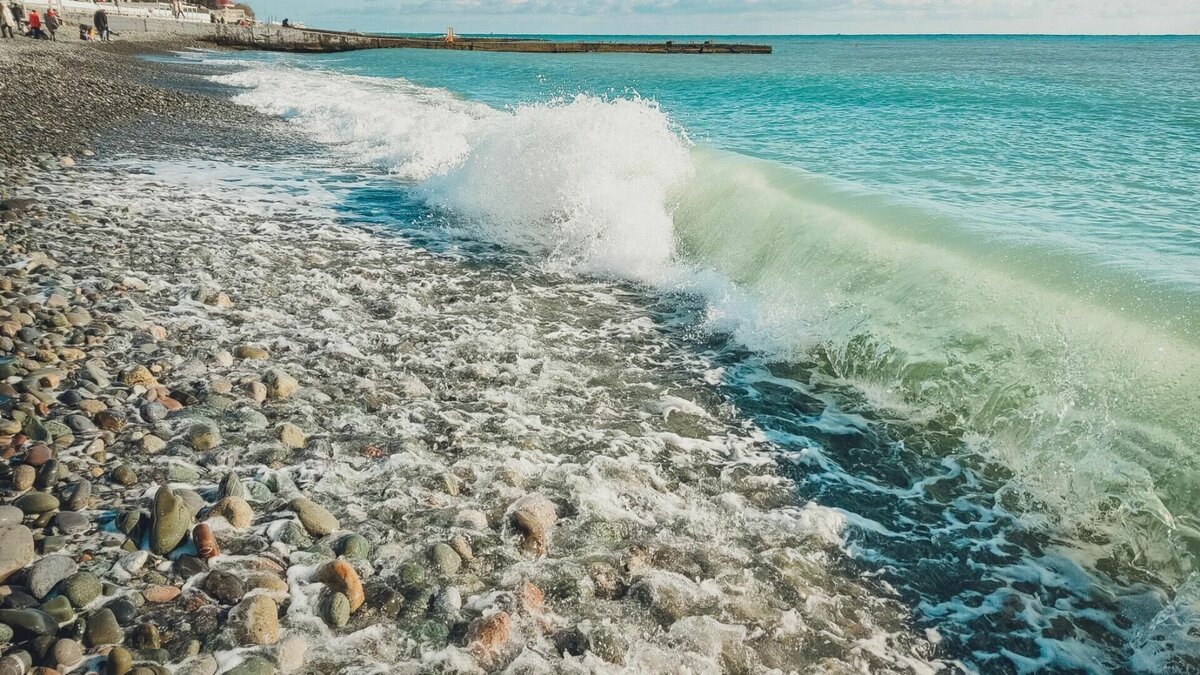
[522,396]
[590,180]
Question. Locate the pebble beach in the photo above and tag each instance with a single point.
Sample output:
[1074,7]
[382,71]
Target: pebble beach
[244,436]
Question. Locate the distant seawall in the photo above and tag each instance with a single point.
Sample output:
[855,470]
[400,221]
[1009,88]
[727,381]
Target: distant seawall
[275,38]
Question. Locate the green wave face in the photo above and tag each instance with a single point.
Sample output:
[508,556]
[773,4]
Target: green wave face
[1085,386]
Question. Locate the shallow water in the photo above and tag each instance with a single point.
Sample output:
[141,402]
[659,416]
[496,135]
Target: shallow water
[946,288]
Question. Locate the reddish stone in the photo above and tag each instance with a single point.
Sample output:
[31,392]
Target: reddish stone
[161,593]
[341,576]
[39,455]
[487,635]
[206,542]
[530,598]
[195,602]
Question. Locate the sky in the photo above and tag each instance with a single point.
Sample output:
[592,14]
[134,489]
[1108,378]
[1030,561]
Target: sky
[723,17]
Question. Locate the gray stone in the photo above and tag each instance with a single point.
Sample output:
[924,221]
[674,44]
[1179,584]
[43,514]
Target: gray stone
[59,608]
[445,560]
[17,663]
[335,609]
[280,384]
[47,475]
[192,499]
[354,546]
[256,621]
[54,543]
[67,653]
[315,519]
[36,502]
[447,603]
[231,486]
[249,419]
[47,572]
[258,492]
[123,609]
[169,522]
[69,522]
[204,436]
[10,515]
[81,588]
[94,373]
[180,472]
[16,549]
[32,621]
[79,424]
[23,477]
[224,587]
[253,665]
[103,629]
[80,494]
[293,534]
[153,412]
[120,662]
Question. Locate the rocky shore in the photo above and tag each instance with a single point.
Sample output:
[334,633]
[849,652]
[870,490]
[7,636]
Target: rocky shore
[106,551]
[244,437]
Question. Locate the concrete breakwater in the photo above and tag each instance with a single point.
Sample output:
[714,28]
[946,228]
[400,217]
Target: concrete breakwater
[274,38]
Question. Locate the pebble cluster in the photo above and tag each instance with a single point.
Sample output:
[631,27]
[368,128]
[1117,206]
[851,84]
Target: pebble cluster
[128,539]
[103,552]
[58,97]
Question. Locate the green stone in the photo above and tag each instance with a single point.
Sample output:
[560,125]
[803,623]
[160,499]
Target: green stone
[355,546]
[60,609]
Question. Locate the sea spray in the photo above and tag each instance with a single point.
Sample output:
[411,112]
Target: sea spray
[591,181]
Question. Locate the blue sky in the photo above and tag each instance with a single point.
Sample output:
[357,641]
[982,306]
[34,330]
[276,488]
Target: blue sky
[744,16]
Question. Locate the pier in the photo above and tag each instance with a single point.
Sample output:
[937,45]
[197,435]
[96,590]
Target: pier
[309,40]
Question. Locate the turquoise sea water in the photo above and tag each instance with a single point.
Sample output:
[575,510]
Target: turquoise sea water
[982,252]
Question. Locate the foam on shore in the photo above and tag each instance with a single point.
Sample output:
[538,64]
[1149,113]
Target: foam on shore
[532,383]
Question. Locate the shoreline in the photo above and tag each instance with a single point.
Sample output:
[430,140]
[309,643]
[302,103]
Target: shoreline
[469,529]
[60,96]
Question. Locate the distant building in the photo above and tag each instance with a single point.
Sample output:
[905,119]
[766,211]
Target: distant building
[227,11]
[230,15]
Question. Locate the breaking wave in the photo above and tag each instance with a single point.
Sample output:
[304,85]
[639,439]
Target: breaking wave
[1079,379]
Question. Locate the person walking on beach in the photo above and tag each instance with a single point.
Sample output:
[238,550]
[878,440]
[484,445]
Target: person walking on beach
[52,23]
[35,26]
[18,13]
[7,23]
[100,21]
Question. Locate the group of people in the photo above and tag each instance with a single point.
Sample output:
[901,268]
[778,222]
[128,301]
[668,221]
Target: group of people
[14,19]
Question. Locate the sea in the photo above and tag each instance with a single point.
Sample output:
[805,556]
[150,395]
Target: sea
[950,284]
